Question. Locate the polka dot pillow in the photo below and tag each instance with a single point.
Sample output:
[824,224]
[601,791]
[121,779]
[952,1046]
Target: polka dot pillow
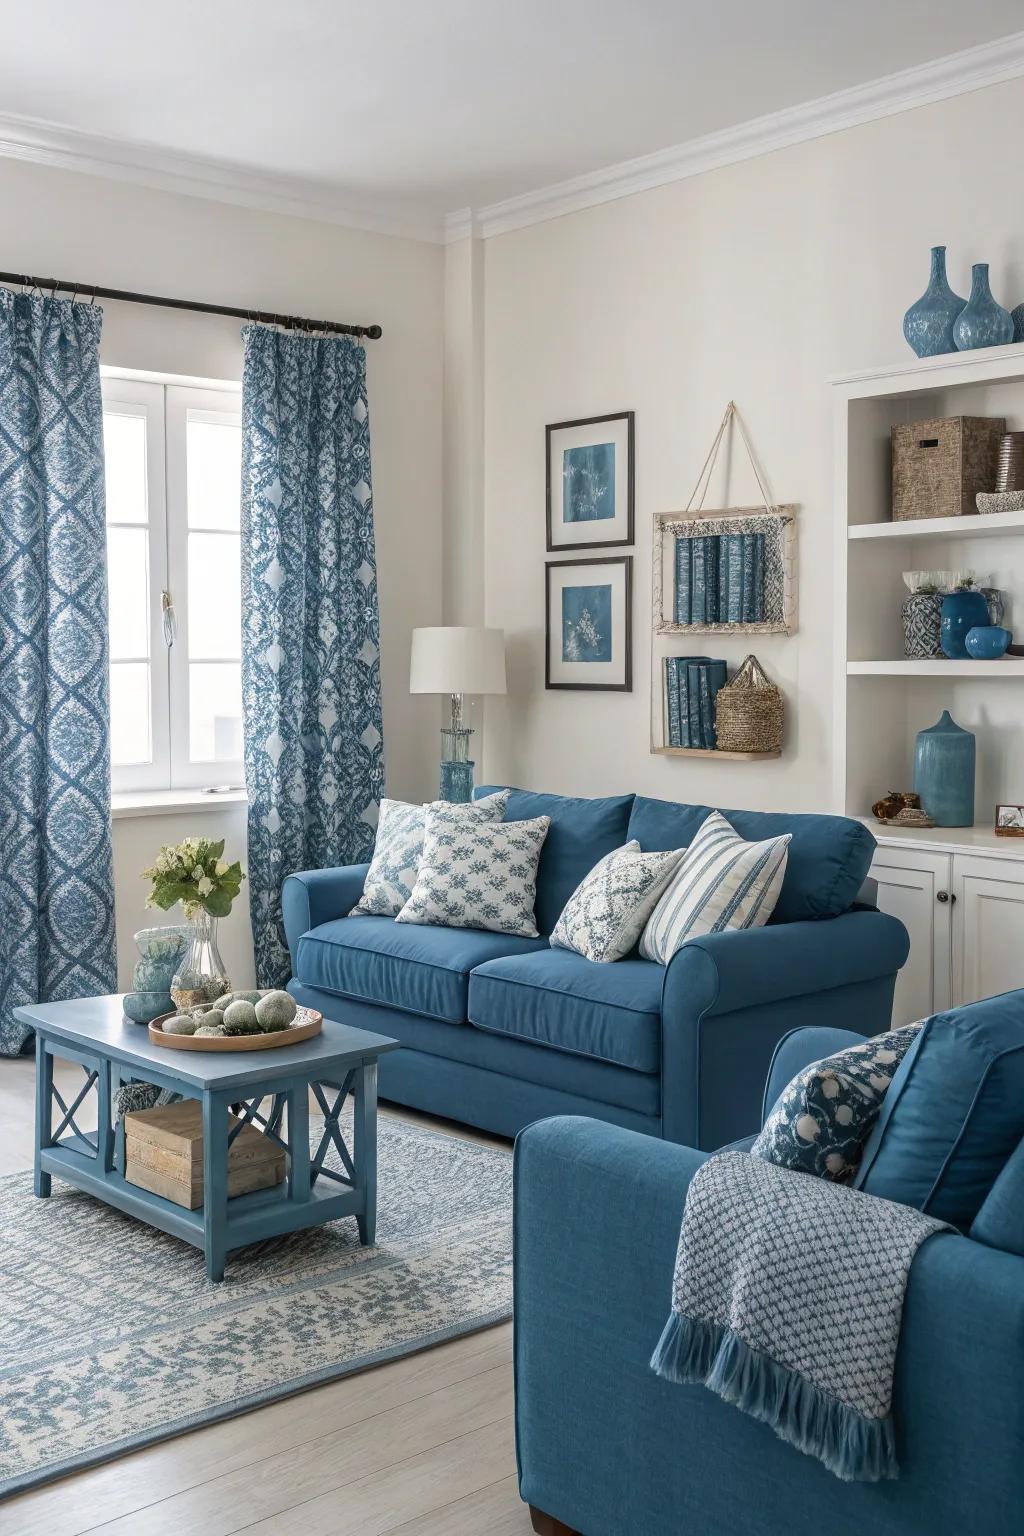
[824,1116]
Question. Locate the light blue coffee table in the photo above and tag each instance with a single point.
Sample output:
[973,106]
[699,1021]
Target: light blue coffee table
[110,1050]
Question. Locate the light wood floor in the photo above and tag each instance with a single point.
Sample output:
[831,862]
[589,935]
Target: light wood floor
[422,1446]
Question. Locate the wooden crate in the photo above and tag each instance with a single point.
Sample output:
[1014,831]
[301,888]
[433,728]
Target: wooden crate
[164,1154]
[939,466]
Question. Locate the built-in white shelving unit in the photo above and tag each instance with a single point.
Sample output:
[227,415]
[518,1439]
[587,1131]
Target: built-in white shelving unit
[882,700]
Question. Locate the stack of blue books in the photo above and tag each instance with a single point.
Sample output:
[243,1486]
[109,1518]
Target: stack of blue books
[719,579]
[691,683]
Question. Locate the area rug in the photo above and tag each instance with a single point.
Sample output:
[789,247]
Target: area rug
[111,1337]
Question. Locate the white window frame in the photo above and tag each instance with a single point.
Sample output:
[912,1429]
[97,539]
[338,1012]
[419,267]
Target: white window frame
[166,403]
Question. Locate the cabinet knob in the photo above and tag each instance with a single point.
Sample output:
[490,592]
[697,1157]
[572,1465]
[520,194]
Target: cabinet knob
[944,896]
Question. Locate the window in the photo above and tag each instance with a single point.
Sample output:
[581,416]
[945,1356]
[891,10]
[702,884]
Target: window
[173,473]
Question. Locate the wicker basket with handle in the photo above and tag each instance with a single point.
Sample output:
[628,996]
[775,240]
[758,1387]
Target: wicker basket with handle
[749,712]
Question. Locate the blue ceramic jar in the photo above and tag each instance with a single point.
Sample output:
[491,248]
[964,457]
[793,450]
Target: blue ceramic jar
[944,772]
[961,611]
[987,641]
[928,324]
[983,323]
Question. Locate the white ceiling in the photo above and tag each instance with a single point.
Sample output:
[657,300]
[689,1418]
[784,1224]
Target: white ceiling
[415,108]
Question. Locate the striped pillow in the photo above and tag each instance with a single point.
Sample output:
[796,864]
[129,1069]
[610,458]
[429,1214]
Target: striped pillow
[723,882]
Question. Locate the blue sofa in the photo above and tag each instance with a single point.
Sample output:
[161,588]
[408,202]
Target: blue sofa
[607,1448]
[498,1031]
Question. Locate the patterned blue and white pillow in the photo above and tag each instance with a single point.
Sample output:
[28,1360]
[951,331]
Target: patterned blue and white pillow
[478,874]
[606,913]
[822,1118]
[399,845]
[723,882]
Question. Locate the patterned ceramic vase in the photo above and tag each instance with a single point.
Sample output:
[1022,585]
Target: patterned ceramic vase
[944,772]
[983,323]
[928,324]
[922,625]
[961,611]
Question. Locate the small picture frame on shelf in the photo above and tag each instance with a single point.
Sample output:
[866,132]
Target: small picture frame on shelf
[589,623]
[1009,821]
[590,482]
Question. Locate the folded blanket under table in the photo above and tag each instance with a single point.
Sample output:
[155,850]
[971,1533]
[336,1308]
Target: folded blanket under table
[787,1301]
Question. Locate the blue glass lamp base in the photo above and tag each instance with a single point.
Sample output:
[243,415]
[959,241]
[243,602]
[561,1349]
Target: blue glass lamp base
[456,782]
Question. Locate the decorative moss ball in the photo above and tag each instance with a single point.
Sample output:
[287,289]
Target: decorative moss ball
[211,1030]
[212,1016]
[275,1011]
[181,1024]
[222,1002]
[240,1018]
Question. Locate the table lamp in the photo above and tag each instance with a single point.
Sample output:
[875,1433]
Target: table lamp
[457,659]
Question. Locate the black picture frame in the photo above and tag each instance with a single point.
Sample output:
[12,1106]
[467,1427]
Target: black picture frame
[629,417]
[626,686]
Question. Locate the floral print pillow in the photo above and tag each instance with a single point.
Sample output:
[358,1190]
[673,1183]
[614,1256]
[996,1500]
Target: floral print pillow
[478,874]
[399,845]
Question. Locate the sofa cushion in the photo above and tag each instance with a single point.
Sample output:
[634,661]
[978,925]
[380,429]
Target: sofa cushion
[1000,1222]
[954,1113]
[829,856]
[557,998]
[581,833]
[422,970]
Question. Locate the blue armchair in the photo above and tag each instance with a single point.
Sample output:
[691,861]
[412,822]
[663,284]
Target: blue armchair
[607,1448]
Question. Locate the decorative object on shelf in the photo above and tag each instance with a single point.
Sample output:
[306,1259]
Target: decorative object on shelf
[920,615]
[195,873]
[590,481]
[456,660]
[588,615]
[995,602]
[909,817]
[983,322]
[1009,818]
[692,684]
[719,579]
[961,611]
[986,642]
[944,762]
[1010,462]
[1017,316]
[894,802]
[939,466]
[1000,501]
[928,324]
[749,712]
[160,950]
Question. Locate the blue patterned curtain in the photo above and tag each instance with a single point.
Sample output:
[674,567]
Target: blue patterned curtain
[56,879]
[314,761]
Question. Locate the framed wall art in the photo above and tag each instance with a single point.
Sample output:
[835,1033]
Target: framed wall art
[590,482]
[589,623]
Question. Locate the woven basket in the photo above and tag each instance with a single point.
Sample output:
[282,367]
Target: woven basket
[749,712]
[938,467]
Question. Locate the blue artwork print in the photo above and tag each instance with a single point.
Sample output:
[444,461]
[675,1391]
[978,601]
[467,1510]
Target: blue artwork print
[588,483]
[587,623]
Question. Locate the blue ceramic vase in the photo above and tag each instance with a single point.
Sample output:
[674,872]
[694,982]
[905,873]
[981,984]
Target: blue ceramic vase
[987,642]
[1017,316]
[961,611]
[944,773]
[983,323]
[928,324]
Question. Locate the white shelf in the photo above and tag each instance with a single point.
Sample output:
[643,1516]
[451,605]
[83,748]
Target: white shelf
[1004,666]
[984,525]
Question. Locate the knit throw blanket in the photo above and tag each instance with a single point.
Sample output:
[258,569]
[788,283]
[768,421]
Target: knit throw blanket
[787,1301]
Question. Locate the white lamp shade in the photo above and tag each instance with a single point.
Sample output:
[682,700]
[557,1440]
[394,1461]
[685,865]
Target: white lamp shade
[454,658]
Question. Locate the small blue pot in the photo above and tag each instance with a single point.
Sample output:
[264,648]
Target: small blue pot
[986,641]
[961,611]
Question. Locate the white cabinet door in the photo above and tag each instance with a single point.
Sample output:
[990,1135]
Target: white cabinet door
[915,887]
[988,927]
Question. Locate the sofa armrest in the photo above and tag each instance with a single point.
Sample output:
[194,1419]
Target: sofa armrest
[317,896]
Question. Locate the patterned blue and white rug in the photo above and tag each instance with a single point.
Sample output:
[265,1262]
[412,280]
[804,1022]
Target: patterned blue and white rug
[111,1337]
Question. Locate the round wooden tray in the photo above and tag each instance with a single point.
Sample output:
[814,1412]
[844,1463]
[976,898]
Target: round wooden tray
[306,1024]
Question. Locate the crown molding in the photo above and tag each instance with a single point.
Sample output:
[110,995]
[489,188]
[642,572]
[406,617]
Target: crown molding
[68,149]
[954,75]
[460,225]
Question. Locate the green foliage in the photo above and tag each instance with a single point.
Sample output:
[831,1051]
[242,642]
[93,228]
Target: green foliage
[194,873]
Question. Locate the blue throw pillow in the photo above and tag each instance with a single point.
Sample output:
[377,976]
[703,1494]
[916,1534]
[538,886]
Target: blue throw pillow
[955,1112]
[822,1118]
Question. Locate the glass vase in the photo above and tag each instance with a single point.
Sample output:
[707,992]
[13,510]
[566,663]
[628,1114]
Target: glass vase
[201,976]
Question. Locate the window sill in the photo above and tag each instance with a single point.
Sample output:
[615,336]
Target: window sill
[166,802]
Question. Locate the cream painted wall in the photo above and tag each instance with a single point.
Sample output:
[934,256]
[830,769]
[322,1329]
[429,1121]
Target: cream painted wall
[755,282]
[123,236]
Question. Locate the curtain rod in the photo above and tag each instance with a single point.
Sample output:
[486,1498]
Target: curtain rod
[264,317]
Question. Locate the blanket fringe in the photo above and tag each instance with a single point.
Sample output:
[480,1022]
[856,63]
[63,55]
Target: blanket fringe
[854,1448]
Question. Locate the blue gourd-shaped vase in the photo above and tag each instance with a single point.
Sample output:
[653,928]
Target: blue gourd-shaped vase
[961,611]
[944,772]
[983,323]
[928,324]
[1017,316]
